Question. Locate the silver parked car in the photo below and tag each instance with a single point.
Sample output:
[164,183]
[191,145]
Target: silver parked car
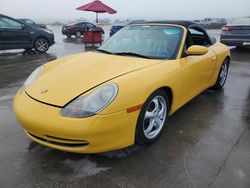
[237,33]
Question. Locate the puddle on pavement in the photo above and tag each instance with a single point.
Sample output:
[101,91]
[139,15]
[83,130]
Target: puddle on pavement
[84,167]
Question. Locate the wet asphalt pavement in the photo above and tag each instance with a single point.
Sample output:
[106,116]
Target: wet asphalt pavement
[206,143]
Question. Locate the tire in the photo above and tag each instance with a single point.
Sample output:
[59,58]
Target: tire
[78,34]
[152,120]
[41,45]
[222,77]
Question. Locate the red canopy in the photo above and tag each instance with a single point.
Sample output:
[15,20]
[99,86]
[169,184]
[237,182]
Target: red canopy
[98,7]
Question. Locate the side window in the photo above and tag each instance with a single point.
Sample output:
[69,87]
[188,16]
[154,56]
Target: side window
[81,24]
[90,26]
[3,24]
[199,37]
[212,39]
[6,23]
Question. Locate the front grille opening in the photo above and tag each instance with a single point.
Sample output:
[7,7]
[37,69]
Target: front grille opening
[64,139]
[60,143]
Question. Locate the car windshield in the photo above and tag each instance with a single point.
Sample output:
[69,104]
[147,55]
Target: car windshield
[29,22]
[147,41]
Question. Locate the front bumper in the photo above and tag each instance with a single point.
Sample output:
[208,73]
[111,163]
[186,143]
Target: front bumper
[66,32]
[100,133]
[51,39]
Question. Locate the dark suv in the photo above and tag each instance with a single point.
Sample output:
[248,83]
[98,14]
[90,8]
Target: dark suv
[77,29]
[17,35]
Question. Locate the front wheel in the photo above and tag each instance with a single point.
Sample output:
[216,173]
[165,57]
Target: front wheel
[41,45]
[152,118]
[222,77]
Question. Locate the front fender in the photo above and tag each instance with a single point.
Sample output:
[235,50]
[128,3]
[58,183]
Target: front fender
[136,87]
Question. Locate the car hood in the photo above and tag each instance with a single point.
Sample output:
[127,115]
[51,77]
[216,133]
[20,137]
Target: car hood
[41,26]
[67,78]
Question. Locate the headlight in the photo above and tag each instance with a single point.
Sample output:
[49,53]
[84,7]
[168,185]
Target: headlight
[48,31]
[33,77]
[86,106]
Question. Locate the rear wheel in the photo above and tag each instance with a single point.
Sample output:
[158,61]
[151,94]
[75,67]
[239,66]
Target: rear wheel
[152,118]
[41,45]
[78,34]
[222,77]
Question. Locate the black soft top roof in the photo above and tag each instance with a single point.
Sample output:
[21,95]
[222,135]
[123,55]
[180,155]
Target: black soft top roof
[183,23]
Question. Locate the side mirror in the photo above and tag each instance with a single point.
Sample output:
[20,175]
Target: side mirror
[23,26]
[197,50]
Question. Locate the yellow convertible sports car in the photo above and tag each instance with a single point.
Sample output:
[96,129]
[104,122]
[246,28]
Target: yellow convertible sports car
[122,93]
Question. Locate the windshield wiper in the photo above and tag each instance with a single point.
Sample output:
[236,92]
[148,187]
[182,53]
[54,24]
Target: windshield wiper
[126,54]
[133,54]
[104,51]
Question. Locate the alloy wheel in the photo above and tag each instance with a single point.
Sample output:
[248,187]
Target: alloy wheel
[223,73]
[155,116]
[42,45]
[78,34]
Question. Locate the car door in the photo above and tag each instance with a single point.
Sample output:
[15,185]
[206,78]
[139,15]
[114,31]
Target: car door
[197,70]
[82,26]
[13,34]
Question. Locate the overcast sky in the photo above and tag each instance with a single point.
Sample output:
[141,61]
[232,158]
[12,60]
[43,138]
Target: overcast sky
[127,9]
